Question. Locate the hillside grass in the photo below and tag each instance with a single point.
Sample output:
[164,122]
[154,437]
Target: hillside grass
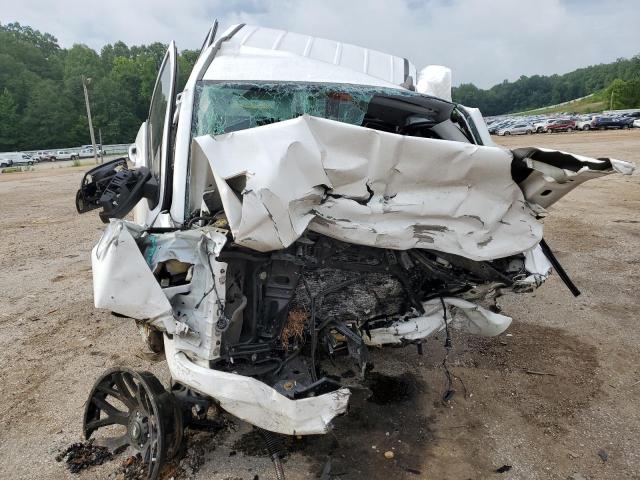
[594,104]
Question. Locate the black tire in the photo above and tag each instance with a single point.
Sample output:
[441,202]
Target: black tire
[529,132]
[586,128]
[569,130]
[625,127]
[539,130]
[507,133]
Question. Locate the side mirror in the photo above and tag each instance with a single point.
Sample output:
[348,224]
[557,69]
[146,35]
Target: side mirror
[115,188]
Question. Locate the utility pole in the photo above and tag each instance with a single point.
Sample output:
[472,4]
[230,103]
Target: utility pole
[86,101]
[101,147]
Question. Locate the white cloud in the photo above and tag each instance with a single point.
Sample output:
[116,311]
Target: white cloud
[483,41]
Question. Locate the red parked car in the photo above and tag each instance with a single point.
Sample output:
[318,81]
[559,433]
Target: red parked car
[562,125]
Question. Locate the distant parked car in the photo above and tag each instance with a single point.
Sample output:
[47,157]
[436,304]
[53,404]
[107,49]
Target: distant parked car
[493,129]
[86,153]
[541,126]
[66,155]
[517,129]
[45,156]
[90,147]
[15,158]
[561,125]
[584,123]
[601,123]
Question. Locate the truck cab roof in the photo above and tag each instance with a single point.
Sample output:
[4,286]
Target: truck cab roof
[266,54]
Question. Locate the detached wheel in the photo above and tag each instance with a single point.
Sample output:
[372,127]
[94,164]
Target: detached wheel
[127,409]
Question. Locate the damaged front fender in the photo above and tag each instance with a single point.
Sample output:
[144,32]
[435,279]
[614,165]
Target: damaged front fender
[122,280]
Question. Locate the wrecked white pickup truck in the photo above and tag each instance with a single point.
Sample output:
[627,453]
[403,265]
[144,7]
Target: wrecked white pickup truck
[303,199]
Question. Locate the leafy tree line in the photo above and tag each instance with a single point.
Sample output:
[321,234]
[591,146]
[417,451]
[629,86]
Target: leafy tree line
[41,95]
[623,94]
[42,102]
[537,91]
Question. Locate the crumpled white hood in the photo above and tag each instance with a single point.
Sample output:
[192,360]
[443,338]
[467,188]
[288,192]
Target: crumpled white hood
[368,187]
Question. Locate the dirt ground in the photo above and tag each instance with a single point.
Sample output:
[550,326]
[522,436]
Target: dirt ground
[555,397]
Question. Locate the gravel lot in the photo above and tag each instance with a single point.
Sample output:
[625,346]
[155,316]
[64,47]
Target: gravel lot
[580,407]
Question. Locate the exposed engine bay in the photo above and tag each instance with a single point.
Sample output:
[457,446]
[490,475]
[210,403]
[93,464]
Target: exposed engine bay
[276,317]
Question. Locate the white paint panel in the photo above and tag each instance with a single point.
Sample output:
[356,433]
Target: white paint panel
[122,280]
[461,314]
[312,55]
[255,402]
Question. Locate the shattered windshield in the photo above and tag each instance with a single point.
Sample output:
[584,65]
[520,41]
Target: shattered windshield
[223,107]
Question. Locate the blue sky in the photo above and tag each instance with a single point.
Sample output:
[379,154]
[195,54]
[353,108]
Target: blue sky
[482,41]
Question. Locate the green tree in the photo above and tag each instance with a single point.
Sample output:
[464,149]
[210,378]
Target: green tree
[8,122]
[621,94]
[48,117]
[42,100]
[539,91]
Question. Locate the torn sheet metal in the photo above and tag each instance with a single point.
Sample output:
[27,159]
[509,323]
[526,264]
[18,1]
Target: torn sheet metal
[199,301]
[538,268]
[124,282]
[368,187]
[461,314]
[546,176]
[254,401]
